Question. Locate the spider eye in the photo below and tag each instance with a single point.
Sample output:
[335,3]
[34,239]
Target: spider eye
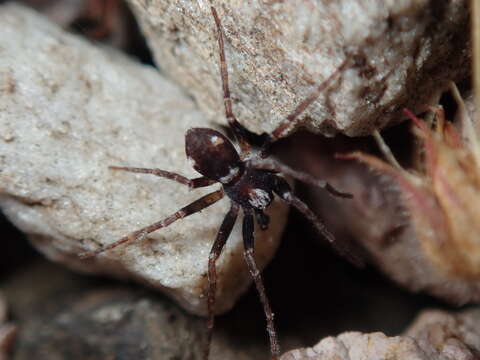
[212,154]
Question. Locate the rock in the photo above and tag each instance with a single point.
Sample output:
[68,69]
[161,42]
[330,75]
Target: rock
[75,317]
[60,12]
[435,335]
[356,346]
[68,110]
[63,313]
[380,222]
[419,227]
[401,55]
[449,336]
[96,321]
[436,225]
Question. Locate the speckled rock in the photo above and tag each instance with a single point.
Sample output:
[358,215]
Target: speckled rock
[435,335]
[97,321]
[401,54]
[68,110]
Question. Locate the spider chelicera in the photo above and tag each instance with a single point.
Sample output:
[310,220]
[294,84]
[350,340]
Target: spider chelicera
[249,179]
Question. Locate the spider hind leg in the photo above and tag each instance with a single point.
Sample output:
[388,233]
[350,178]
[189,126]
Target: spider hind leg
[190,209]
[249,242]
[217,247]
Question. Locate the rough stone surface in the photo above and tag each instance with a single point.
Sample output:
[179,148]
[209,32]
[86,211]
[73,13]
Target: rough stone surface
[61,12]
[69,110]
[96,321]
[435,335]
[401,54]
[448,336]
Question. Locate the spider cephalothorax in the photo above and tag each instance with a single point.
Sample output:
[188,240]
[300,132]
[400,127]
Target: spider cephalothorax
[250,180]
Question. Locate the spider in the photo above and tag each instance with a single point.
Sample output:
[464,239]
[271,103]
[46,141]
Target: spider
[250,179]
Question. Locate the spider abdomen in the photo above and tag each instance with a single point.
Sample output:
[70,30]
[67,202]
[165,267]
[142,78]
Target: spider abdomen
[213,155]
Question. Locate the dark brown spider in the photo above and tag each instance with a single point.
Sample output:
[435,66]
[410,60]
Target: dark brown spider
[249,179]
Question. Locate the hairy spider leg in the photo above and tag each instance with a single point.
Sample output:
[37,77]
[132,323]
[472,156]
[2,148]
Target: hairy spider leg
[283,190]
[262,219]
[281,129]
[191,183]
[276,166]
[190,209]
[240,132]
[222,237]
[249,251]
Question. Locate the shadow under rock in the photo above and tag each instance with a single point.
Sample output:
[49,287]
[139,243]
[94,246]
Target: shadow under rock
[15,249]
[315,293]
[62,315]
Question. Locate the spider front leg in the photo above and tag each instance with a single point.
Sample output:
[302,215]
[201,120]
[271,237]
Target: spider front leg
[276,166]
[281,129]
[222,236]
[249,251]
[283,190]
[242,135]
[191,183]
[190,209]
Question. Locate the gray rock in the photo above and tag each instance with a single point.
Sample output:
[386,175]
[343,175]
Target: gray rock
[68,110]
[76,318]
[435,335]
[401,52]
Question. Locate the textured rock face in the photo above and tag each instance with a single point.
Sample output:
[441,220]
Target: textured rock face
[435,335]
[401,53]
[97,321]
[68,111]
[448,336]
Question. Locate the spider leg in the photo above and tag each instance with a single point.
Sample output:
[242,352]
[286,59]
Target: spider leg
[240,132]
[263,220]
[191,183]
[190,209]
[276,166]
[283,190]
[249,242]
[281,130]
[222,236]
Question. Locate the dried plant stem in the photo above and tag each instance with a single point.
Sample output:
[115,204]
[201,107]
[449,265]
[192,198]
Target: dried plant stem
[475,18]
[468,126]
[386,150]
